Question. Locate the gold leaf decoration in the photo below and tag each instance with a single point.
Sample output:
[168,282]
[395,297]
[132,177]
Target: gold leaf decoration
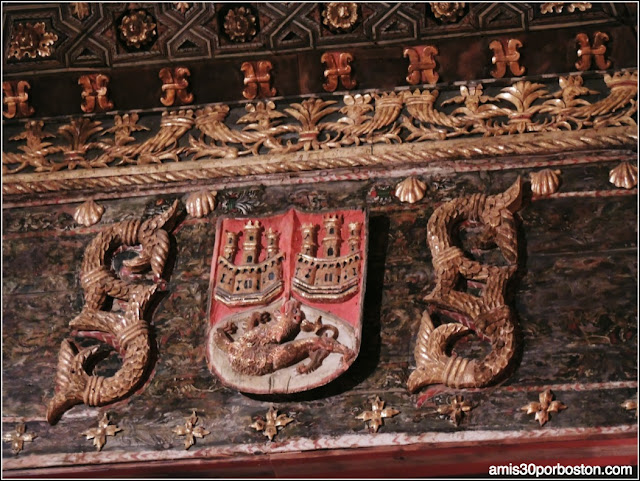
[544,407]
[455,409]
[202,203]
[545,182]
[624,175]
[100,434]
[631,405]
[377,413]
[384,118]
[88,214]
[18,437]
[269,426]
[190,431]
[410,190]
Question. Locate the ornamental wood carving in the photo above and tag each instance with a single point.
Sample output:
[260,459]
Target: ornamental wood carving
[286,315]
[391,117]
[95,93]
[257,79]
[423,63]
[506,55]
[126,330]
[486,314]
[338,70]
[588,53]
[16,99]
[174,86]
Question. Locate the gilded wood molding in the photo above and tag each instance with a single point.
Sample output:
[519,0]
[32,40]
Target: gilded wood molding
[379,156]
[562,120]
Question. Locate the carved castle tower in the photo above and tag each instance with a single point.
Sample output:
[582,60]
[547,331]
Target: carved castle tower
[273,238]
[331,241]
[251,242]
[231,246]
[309,242]
[354,237]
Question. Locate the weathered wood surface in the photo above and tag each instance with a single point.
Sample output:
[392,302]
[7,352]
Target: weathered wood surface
[575,296]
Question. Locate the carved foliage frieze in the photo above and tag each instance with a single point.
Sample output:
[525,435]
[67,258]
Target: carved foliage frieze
[393,117]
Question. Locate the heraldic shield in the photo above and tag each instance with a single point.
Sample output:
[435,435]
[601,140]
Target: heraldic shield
[286,299]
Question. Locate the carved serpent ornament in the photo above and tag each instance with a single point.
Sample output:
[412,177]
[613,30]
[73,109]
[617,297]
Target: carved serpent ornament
[487,314]
[126,331]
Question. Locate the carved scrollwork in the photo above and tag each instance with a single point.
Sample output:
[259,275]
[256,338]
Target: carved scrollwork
[16,99]
[126,331]
[506,55]
[487,312]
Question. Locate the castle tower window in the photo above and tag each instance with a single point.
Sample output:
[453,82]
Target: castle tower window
[272,276]
[249,258]
[330,251]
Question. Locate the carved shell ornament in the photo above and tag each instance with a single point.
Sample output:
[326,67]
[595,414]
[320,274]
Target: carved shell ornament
[202,203]
[88,213]
[625,175]
[410,190]
[545,182]
[340,15]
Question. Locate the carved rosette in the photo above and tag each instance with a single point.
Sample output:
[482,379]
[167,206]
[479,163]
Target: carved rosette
[240,24]
[137,28]
[448,11]
[31,40]
[545,182]
[88,213]
[340,16]
[410,190]
[201,204]
[624,176]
